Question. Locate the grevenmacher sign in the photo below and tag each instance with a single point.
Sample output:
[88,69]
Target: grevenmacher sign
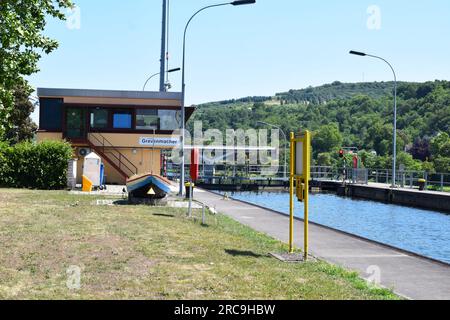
[159,142]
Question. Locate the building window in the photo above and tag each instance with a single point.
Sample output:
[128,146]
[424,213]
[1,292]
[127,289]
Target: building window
[51,114]
[122,120]
[169,120]
[146,119]
[99,119]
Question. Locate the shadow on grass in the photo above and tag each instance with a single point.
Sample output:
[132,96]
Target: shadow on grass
[122,202]
[164,215]
[239,253]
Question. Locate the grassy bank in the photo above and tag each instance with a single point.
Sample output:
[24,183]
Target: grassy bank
[138,252]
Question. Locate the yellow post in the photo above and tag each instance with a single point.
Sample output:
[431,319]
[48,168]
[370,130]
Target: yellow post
[291,195]
[306,174]
[306,220]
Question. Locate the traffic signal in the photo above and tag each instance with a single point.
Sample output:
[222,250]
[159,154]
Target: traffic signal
[341,153]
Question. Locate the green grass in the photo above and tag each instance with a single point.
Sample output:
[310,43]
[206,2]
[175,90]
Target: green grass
[438,188]
[140,252]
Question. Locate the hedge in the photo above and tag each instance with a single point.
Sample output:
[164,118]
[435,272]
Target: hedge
[36,166]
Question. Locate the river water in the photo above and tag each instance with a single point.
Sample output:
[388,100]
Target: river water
[420,231]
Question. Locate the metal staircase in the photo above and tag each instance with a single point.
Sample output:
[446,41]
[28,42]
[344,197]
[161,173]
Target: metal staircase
[112,155]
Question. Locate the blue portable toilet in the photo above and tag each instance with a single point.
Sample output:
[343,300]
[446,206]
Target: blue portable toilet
[102,175]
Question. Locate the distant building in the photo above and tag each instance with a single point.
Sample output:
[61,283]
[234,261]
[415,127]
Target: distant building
[127,129]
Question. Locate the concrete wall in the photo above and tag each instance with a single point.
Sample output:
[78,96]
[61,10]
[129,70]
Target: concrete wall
[429,200]
[413,198]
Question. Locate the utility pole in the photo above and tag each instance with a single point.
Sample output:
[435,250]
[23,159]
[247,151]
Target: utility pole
[162,86]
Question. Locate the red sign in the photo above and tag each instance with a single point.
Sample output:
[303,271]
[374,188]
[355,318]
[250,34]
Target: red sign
[195,160]
[355,162]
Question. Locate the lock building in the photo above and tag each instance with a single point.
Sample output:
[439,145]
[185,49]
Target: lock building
[129,130]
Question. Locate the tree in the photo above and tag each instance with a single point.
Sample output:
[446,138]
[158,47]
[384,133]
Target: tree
[404,158]
[421,149]
[327,139]
[324,159]
[428,167]
[21,26]
[442,164]
[440,145]
[440,151]
[22,128]
[379,137]
[368,159]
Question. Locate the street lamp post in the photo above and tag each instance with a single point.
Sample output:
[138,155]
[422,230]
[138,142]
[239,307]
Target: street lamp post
[157,74]
[183,85]
[285,138]
[394,162]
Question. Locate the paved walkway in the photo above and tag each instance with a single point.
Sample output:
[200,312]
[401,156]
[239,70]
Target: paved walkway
[111,190]
[408,275]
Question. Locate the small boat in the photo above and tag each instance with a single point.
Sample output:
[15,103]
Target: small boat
[148,187]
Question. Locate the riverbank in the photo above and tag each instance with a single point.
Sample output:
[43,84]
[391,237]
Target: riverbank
[141,252]
[408,274]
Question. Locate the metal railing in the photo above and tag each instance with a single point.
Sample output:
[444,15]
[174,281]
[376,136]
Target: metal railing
[326,173]
[404,178]
[99,142]
[244,173]
[251,172]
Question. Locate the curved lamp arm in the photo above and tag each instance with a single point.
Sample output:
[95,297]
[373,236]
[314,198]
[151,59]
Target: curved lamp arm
[151,77]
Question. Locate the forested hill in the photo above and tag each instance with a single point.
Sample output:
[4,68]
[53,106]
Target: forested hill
[321,94]
[359,115]
[337,90]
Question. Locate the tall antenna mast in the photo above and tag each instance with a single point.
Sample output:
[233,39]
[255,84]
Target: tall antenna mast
[162,74]
[167,86]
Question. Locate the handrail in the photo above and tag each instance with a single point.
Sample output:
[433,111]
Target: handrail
[120,157]
[405,178]
[105,143]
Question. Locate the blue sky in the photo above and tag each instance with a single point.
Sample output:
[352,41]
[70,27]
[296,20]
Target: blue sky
[262,49]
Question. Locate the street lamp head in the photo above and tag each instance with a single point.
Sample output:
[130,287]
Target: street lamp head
[173,70]
[357,53]
[242,2]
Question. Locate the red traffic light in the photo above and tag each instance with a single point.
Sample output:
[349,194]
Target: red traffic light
[341,153]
